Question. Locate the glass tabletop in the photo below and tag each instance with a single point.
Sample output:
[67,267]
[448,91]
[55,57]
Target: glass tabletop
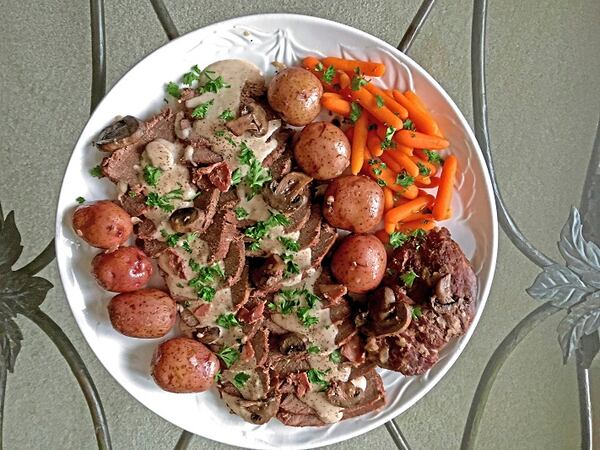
[525,74]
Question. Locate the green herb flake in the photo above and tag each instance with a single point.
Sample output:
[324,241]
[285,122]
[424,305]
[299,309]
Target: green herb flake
[227,321]
[381,183]
[313,349]
[416,312]
[423,170]
[311,299]
[433,157]
[200,111]
[316,376]
[329,74]
[398,239]
[289,244]
[240,379]
[377,170]
[152,175]
[164,201]
[408,278]
[306,319]
[257,176]
[335,357]
[173,89]
[319,67]
[229,356]
[355,111]
[218,376]
[96,172]
[213,84]
[227,115]
[409,125]
[246,154]
[357,82]
[387,141]
[219,133]
[241,213]
[236,177]
[80,200]
[404,179]
[379,100]
[187,242]
[171,239]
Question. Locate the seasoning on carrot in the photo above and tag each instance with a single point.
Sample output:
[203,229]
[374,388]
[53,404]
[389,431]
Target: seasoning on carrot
[371,69]
[388,198]
[426,169]
[369,102]
[443,199]
[399,213]
[416,139]
[359,142]
[336,104]
[391,104]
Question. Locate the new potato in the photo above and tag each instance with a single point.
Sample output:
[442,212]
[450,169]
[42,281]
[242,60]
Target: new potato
[124,270]
[102,224]
[322,151]
[295,93]
[359,262]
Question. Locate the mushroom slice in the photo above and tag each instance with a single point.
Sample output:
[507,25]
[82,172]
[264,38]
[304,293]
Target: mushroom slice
[184,220]
[268,275]
[292,343]
[253,120]
[345,394]
[208,335]
[290,193]
[389,312]
[123,132]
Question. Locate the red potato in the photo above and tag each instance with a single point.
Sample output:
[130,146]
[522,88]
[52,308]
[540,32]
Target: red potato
[295,93]
[184,365]
[354,203]
[359,262]
[147,313]
[124,270]
[322,151]
[102,224]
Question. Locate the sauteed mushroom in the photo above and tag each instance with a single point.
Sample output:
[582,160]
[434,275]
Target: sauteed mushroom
[253,119]
[345,394]
[269,273]
[120,133]
[443,302]
[184,220]
[288,194]
[292,343]
[389,311]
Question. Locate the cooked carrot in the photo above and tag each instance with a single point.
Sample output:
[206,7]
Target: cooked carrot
[404,161]
[310,62]
[391,104]
[428,167]
[418,216]
[416,139]
[390,162]
[399,213]
[374,144]
[336,104]
[371,69]
[423,181]
[383,236]
[433,182]
[413,97]
[441,207]
[381,132]
[390,92]
[344,79]
[383,114]
[388,198]
[389,227]
[421,118]
[359,142]
[407,227]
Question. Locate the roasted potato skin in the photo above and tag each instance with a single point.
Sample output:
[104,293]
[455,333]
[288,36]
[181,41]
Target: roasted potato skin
[146,313]
[353,203]
[295,94]
[322,151]
[359,262]
[124,270]
[184,365]
[102,224]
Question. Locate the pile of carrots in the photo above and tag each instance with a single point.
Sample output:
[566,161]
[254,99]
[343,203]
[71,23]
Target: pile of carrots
[395,140]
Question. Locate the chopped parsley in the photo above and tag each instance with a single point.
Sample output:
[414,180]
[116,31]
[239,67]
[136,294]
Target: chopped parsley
[316,376]
[164,201]
[404,179]
[213,84]
[291,268]
[313,349]
[205,276]
[416,312]
[419,233]
[357,82]
[191,76]
[80,200]
[200,111]
[186,244]
[289,244]
[227,115]
[219,133]
[229,356]
[355,111]
[335,357]
[397,239]
[423,170]
[260,229]
[409,125]
[218,376]
[311,298]
[408,278]
[152,174]
[379,100]
[319,67]
[329,74]
[257,176]
[227,321]
[236,177]
[288,301]
[246,154]
[132,194]
[96,172]
[433,157]
[173,89]
[387,141]
[171,239]
[241,213]
[240,379]
[306,319]
[377,170]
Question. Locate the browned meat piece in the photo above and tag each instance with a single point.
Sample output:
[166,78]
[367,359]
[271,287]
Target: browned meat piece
[207,201]
[252,311]
[267,276]
[252,119]
[285,364]
[133,203]
[202,154]
[145,229]
[309,234]
[353,350]
[234,262]
[260,343]
[282,136]
[282,165]
[298,219]
[295,413]
[228,200]
[218,174]
[346,330]
[240,291]
[327,238]
[369,400]
[219,235]
[152,247]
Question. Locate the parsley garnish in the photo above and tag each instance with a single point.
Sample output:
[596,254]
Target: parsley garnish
[328,74]
[257,176]
[246,154]
[381,182]
[205,276]
[357,82]
[409,125]
[306,319]
[319,67]
[236,177]
[152,174]
[260,229]
[219,133]
[289,244]
[423,170]
[200,111]
[132,194]
[171,239]
[227,115]
[241,213]
[433,157]
[397,239]
[213,84]
[186,244]
[404,179]
[377,170]
[335,357]
[240,379]
[218,376]
[419,233]
[416,312]
[227,321]
[229,356]
[163,201]
[313,349]
[408,278]
[173,89]
[80,200]
[96,172]
[355,111]
[316,376]
[291,268]
[189,77]
[379,100]
[311,298]
[387,141]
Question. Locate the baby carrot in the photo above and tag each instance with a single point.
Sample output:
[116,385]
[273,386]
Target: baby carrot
[383,114]
[441,207]
[399,213]
[336,103]
[404,161]
[422,181]
[389,102]
[413,97]
[310,62]
[421,118]
[433,182]
[389,227]
[416,139]
[425,225]
[374,144]
[344,79]
[418,216]
[425,166]
[388,198]
[359,142]
[390,162]
[371,69]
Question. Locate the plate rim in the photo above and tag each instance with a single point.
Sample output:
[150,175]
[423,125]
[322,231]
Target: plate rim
[493,245]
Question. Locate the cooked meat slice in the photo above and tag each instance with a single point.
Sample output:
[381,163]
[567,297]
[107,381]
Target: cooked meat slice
[201,154]
[145,229]
[252,311]
[282,165]
[309,234]
[353,350]
[240,291]
[207,201]
[228,200]
[369,400]
[252,119]
[346,330]
[152,247]
[219,235]
[260,343]
[327,238]
[120,165]
[251,91]
[234,262]
[257,412]
[295,413]
[134,203]
[218,174]
[282,137]
[298,219]
[339,311]
[285,364]
[267,276]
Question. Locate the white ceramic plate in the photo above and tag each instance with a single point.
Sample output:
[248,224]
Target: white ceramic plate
[261,39]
